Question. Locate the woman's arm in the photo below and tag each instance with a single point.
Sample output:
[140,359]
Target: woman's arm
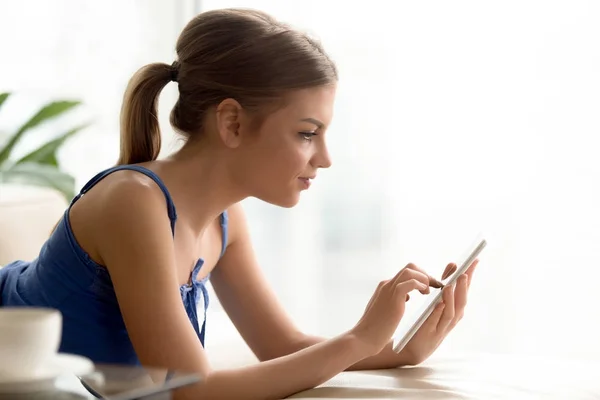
[281,377]
[134,240]
[386,358]
[262,322]
[247,297]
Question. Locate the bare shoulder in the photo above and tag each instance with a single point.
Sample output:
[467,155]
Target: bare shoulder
[130,204]
[124,188]
[124,203]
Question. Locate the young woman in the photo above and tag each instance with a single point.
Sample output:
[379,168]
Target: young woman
[128,262]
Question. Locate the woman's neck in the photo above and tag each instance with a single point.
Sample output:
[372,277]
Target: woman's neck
[200,184]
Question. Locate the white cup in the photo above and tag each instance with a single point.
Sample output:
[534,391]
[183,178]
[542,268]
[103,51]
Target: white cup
[29,339]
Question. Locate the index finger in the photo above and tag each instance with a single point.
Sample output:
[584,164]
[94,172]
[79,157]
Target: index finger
[432,281]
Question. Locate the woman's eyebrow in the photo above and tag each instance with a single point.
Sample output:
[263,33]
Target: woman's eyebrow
[316,122]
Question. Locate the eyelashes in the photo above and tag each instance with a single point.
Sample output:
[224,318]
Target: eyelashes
[307,135]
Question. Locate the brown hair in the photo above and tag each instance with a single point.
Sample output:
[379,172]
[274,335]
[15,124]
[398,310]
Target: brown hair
[230,53]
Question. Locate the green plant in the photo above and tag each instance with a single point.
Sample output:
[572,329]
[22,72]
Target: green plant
[39,167]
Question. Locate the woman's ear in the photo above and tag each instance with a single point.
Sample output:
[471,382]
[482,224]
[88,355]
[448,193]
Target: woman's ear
[229,114]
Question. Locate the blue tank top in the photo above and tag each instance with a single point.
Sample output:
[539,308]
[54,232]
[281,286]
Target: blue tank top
[65,278]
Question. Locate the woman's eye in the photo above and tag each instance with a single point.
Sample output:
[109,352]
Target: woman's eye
[307,135]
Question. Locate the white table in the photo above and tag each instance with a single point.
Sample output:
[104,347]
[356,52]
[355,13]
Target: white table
[482,376]
[469,377]
[477,376]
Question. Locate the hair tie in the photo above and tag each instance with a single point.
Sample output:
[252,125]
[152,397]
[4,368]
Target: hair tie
[174,71]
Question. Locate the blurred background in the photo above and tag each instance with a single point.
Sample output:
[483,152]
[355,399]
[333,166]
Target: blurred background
[452,119]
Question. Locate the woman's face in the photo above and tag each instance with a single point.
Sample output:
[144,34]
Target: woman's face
[279,159]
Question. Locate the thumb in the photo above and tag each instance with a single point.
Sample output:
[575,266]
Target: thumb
[450,269]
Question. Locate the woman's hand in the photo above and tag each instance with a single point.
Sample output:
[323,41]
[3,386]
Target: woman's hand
[386,307]
[441,321]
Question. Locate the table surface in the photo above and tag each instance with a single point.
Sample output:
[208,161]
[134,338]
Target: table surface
[460,377]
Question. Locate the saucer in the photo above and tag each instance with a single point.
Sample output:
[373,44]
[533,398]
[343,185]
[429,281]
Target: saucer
[44,379]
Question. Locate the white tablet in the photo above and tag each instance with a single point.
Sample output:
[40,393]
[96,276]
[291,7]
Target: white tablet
[410,325]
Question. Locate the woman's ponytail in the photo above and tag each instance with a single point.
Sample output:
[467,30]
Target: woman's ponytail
[140,131]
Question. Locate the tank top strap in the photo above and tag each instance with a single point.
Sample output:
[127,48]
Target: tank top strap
[101,175]
[224,227]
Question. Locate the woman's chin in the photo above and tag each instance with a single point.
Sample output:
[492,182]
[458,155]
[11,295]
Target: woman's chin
[289,202]
[282,201]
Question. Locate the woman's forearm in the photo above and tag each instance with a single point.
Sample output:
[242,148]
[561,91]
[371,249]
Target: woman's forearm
[387,358]
[284,376]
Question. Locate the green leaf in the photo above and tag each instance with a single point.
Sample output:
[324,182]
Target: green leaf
[40,175]
[46,154]
[49,111]
[3,97]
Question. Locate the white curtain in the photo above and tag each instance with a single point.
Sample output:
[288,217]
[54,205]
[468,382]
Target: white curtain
[452,118]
